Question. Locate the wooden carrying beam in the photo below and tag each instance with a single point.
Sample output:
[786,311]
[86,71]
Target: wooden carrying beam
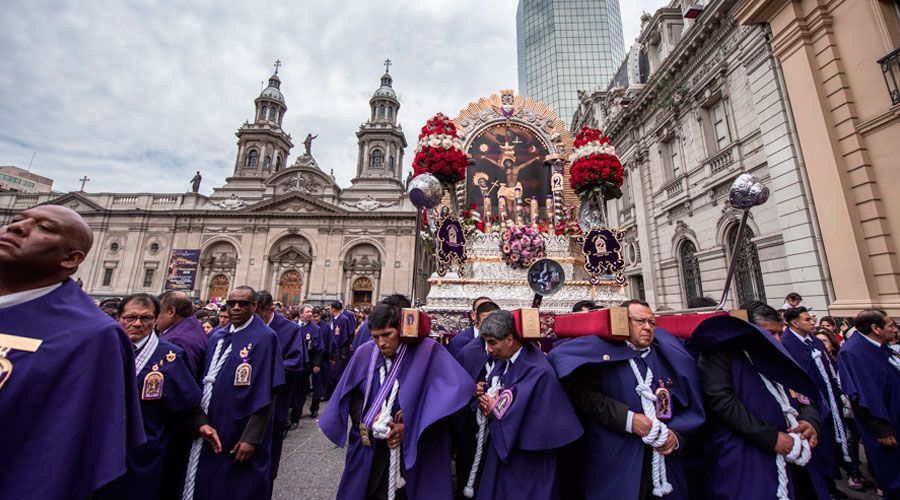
[414,325]
[683,325]
[528,323]
[609,324]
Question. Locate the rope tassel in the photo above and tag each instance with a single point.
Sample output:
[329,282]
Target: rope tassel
[839,432]
[658,434]
[380,430]
[481,419]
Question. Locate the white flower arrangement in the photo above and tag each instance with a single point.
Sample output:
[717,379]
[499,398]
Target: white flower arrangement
[442,141]
[593,147]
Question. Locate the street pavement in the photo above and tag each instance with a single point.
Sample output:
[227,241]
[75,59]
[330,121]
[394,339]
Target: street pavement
[311,466]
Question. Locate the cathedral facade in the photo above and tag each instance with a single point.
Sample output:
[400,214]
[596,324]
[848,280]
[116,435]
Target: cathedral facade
[274,225]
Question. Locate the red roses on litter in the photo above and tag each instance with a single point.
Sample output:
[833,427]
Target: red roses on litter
[439,156]
[593,170]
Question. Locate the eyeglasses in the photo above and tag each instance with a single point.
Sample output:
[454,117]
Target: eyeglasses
[239,303]
[132,319]
[643,321]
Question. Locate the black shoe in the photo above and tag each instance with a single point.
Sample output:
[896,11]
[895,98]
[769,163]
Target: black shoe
[313,414]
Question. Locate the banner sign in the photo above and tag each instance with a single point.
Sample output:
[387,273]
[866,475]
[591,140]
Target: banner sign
[182,270]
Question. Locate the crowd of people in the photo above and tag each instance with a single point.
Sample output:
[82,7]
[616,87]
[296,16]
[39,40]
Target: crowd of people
[158,397]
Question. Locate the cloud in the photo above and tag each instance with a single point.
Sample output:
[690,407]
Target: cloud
[139,95]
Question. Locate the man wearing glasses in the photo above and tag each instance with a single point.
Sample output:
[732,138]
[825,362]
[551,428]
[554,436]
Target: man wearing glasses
[243,372]
[640,398]
[170,399]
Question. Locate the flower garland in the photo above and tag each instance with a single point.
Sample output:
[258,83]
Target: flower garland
[520,246]
[595,167]
[439,152]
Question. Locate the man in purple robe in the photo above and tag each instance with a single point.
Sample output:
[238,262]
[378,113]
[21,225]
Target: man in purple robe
[319,359]
[809,352]
[178,325]
[761,426]
[461,338]
[398,397]
[476,361]
[242,376]
[870,372]
[309,333]
[68,404]
[521,397]
[341,338]
[293,357]
[170,401]
[640,401]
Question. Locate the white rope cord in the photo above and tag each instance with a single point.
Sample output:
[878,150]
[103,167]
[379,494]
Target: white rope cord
[208,381]
[481,438]
[658,434]
[800,453]
[381,427]
[839,432]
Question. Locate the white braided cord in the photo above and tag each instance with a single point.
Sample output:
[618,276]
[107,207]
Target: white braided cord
[481,438]
[659,432]
[381,427]
[840,433]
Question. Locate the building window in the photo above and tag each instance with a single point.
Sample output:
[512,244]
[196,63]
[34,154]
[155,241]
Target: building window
[272,114]
[148,277]
[114,247]
[278,163]
[154,247]
[107,276]
[267,163]
[263,112]
[377,159]
[671,159]
[252,158]
[390,112]
[690,272]
[381,111]
[719,122]
[748,277]
[391,163]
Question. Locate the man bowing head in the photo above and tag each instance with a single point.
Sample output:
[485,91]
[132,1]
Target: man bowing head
[529,417]
[397,396]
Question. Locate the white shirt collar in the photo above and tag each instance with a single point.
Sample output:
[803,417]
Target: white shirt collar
[245,325]
[17,298]
[141,343]
[475,332]
[801,337]
[873,341]
[270,319]
[515,356]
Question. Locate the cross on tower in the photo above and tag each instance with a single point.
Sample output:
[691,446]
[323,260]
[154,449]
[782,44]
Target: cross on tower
[277,65]
[387,65]
[83,180]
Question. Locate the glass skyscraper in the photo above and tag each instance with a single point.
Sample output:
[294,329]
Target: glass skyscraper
[567,45]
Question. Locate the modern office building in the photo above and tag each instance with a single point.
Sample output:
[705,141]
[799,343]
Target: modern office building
[13,178]
[565,46]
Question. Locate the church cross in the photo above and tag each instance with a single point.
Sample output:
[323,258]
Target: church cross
[277,65]
[83,180]
[387,65]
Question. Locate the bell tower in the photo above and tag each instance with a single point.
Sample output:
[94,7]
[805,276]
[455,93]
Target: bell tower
[263,147]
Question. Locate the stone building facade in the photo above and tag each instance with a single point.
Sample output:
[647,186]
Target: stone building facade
[696,103]
[284,227]
[841,64]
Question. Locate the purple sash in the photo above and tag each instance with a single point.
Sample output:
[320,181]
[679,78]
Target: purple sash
[385,388]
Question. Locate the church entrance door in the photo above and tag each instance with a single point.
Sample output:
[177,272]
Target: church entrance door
[218,287]
[289,287]
[362,292]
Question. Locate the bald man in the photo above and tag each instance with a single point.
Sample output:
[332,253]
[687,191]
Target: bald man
[68,396]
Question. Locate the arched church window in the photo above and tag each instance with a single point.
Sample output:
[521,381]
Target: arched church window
[278,163]
[690,271]
[390,112]
[377,159]
[263,112]
[272,113]
[252,158]
[391,162]
[381,111]
[267,163]
[748,277]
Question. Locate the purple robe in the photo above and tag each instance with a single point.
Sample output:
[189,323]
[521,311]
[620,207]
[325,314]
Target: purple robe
[231,407]
[362,336]
[472,357]
[293,357]
[341,330]
[460,340]
[872,383]
[188,334]
[147,462]
[740,468]
[522,449]
[319,337]
[432,387]
[620,455]
[826,453]
[69,410]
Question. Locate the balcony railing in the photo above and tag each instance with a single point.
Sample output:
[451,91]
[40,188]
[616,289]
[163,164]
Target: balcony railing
[890,69]
[721,160]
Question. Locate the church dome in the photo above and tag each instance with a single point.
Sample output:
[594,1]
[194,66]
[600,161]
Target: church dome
[386,90]
[273,90]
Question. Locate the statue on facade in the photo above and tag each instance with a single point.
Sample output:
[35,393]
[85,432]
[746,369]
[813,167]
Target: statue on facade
[195,182]
[307,143]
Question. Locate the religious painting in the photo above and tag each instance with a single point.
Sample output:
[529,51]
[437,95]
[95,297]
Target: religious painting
[450,245]
[602,250]
[507,155]
[182,270]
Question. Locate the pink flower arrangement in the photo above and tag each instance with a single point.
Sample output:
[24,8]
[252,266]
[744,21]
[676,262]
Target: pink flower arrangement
[520,246]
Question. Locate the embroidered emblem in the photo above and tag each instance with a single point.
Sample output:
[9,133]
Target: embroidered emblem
[501,406]
[606,357]
[9,343]
[337,331]
[244,372]
[799,397]
[6,368]
[364,435]
[308,337]
[153,385]
[663,402]
[170,357]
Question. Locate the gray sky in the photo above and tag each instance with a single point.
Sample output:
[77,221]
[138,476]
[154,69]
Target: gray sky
[139,95]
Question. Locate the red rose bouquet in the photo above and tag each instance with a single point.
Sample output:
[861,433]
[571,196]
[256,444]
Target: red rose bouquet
[595,167]
[439,152]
